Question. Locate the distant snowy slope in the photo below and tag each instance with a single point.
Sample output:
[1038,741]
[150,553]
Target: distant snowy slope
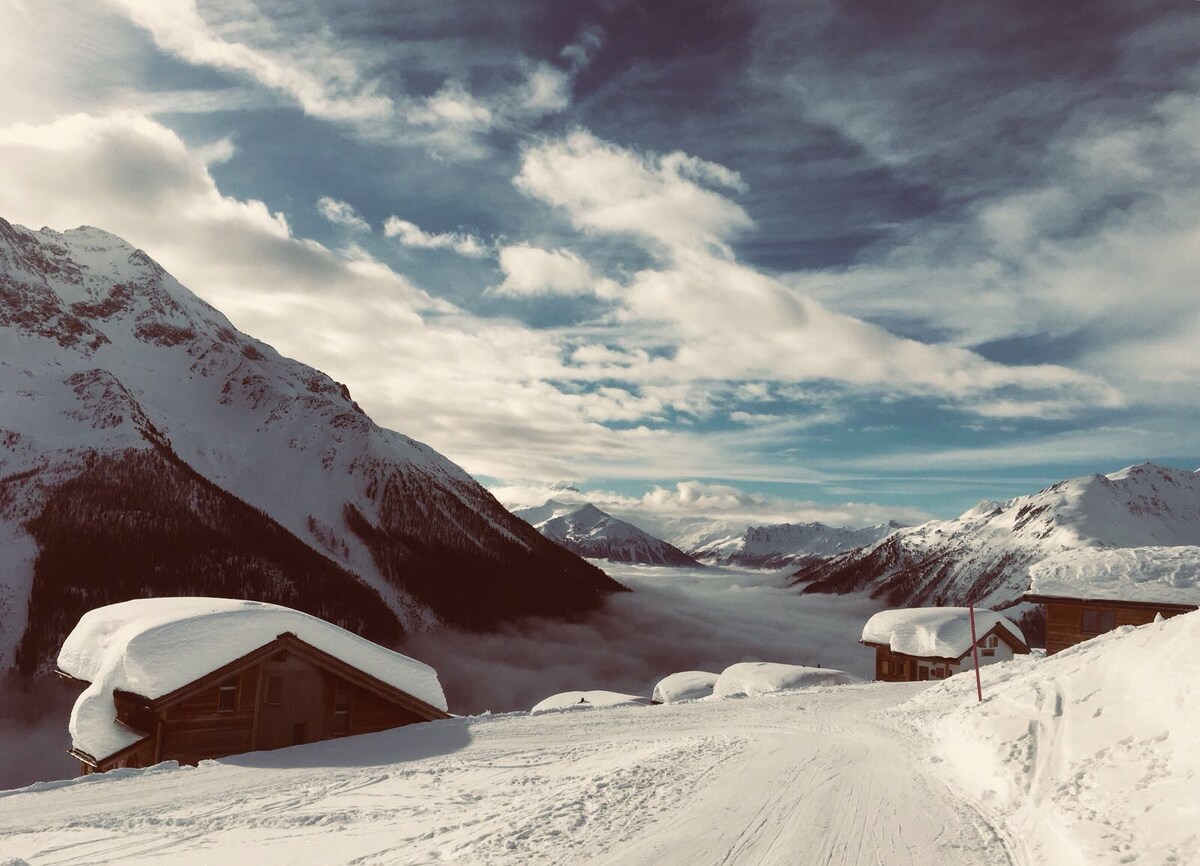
[783,544]
[148,447]
[590,532]
[984,555]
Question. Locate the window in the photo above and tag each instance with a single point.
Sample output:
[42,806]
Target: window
[227,696]
[299,733]
[341,709]
[1097,620]
[274,691]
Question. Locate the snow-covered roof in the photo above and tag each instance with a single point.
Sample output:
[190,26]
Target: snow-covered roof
[587,700]
[933,632]
[1167,575]
[765,678]
[153,646]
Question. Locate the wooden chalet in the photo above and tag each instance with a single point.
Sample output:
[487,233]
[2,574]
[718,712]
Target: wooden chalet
[916,644]
[1089,593]
[282,693]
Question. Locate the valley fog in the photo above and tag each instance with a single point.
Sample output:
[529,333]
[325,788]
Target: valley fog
[675,619]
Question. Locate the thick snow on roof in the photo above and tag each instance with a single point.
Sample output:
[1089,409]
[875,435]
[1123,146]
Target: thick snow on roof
[764,678]
[152,646]
[1168,575]
[685,686]
[938,632]
[587,700]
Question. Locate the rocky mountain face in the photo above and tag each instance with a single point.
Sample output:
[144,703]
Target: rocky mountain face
[983,556]
[588,531]
[147,447]
[785,545]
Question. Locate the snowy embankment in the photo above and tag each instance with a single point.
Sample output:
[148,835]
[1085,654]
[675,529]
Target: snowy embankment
[1091,756]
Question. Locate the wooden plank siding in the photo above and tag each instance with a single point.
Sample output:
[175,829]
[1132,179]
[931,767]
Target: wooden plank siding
[1064,617]
[190,725]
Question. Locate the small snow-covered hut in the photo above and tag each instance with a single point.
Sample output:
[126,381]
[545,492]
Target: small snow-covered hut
[186,679]
[1090,592]
[932,643]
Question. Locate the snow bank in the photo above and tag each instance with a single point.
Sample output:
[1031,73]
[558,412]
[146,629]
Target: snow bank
[761,678]
[685,686]
[1090,756]
[940,632]
[1169,575]
[153,646]
[588,700]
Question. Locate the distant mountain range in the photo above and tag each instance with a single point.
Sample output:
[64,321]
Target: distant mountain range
[983,556]
[147,447]
[785,544]
[588,531]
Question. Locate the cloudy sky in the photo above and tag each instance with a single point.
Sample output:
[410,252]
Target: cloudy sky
[765,260]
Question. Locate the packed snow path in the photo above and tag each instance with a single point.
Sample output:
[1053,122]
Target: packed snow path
[807,777]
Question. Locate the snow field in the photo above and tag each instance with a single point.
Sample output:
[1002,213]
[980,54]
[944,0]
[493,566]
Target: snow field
[797,777]
[1091,756]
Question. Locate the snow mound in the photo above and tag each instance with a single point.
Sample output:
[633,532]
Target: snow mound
[588,700]
[1089,756]
[1169,575]
[152,646]
[761,678]
[685,686]
[938,632]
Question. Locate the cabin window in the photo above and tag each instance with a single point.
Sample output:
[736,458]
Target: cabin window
[227,696]
[274,691]
[341,709]
[1097,621]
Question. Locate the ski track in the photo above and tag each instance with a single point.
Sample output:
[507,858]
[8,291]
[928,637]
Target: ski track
[812,777]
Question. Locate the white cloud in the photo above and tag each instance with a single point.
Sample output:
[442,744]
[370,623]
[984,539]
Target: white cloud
[342,214]
[682,506]
[531,271]
[728,321]
[410,234]
[602,187]
[310,69]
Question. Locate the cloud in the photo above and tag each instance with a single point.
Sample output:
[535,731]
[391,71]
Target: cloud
[679,510]
[531,271]
[308,68]
[342,214]
[606,188]
[409,234]
[730,321]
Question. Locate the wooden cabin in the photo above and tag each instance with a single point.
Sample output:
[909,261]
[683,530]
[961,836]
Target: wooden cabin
[932,643]
[1091,592]
[284,692]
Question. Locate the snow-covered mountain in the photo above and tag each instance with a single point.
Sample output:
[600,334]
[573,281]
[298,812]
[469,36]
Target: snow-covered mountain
[147,447]
[785,544]
[590,532]
[984,555]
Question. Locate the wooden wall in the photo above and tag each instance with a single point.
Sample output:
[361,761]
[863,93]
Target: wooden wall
[1064,620]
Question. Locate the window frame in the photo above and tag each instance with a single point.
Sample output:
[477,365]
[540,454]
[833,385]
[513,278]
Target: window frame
[231,688]
[273,696]
[1099,615]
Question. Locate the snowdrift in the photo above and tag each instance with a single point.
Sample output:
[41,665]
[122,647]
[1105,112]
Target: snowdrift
[685,686]
[761,678]
[588,700]
[943,632]
[1090,756]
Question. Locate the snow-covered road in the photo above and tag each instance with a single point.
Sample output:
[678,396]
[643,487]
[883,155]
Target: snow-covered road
[796,778]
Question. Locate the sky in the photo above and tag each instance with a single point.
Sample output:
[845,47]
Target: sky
[764,261]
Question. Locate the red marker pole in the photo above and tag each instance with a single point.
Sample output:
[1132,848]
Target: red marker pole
[975,654]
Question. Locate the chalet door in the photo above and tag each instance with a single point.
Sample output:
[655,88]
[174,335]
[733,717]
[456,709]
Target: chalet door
[922,672]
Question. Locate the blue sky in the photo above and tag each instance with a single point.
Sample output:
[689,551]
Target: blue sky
[765,261]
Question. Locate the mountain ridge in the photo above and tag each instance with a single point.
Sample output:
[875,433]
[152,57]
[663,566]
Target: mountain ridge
[983,556]
[107,358]
[595,534]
